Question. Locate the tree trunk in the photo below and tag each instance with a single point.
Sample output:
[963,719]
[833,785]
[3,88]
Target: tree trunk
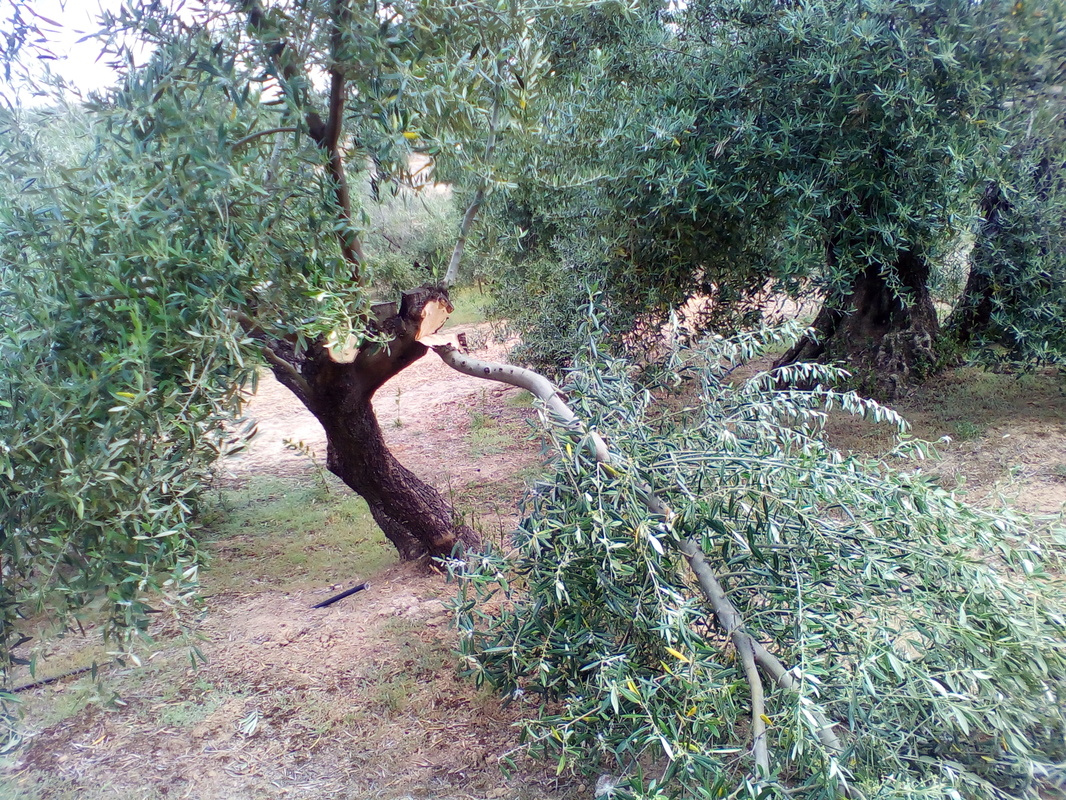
[973,312]
[883,335]
[412,514]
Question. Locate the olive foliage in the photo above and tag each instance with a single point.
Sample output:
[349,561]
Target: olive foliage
[930,634]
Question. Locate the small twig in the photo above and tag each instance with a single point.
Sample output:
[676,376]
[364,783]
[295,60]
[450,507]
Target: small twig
[475,205]
[253,136]
[341,596]
[89,300]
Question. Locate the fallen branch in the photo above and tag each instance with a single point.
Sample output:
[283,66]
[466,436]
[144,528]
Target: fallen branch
[750,651]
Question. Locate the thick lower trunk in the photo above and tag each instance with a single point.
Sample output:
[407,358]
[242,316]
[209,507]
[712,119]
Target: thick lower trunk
[883,335]
[411,513]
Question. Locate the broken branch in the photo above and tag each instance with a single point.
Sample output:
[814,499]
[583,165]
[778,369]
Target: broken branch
[751,652]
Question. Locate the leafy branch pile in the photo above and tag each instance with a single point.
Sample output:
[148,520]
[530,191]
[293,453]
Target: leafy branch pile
[926,631]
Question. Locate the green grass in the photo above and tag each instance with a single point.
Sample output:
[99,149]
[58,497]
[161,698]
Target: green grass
[272,533]
[487,437]
[966,431]
[522,399]
[469,305]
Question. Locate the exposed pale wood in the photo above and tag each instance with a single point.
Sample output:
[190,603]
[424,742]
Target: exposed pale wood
[434,315]
[342,351]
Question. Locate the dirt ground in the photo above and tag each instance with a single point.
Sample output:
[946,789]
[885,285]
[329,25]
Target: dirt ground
[362,699]
[999,438]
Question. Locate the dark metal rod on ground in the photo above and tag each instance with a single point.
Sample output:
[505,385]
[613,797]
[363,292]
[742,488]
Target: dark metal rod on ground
[341,596]
[55,678]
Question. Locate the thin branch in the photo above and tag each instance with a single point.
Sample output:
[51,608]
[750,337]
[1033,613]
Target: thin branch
[88,300]
[744,646]
[328,136]
[299,384]
[253,136]
[730,620]
[293,379]
[475,205]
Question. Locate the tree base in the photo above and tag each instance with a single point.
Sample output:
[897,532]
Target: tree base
[885,340]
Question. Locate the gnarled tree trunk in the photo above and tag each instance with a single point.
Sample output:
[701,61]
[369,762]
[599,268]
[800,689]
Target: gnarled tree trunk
[973,313]
[884,335]
[412,514]
[338,387]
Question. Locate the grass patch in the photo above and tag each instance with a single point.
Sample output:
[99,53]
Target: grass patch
[291,535]
[522,399]
[487,438]
[470,304]
[966,431]
[964,404]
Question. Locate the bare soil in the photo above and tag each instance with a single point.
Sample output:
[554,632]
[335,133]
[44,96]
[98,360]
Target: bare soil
[362,699]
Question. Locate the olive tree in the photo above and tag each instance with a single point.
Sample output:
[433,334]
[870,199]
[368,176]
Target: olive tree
[201,220]
[731,152]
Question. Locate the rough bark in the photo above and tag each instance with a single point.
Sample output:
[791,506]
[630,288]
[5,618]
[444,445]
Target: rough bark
[973,312]
[412,514]
[882,334]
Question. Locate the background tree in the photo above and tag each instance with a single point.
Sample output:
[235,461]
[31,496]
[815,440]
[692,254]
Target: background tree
[1011,306]
[729,152]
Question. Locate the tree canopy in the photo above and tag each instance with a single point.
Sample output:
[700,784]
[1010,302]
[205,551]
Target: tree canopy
[733,151]
[163,241]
